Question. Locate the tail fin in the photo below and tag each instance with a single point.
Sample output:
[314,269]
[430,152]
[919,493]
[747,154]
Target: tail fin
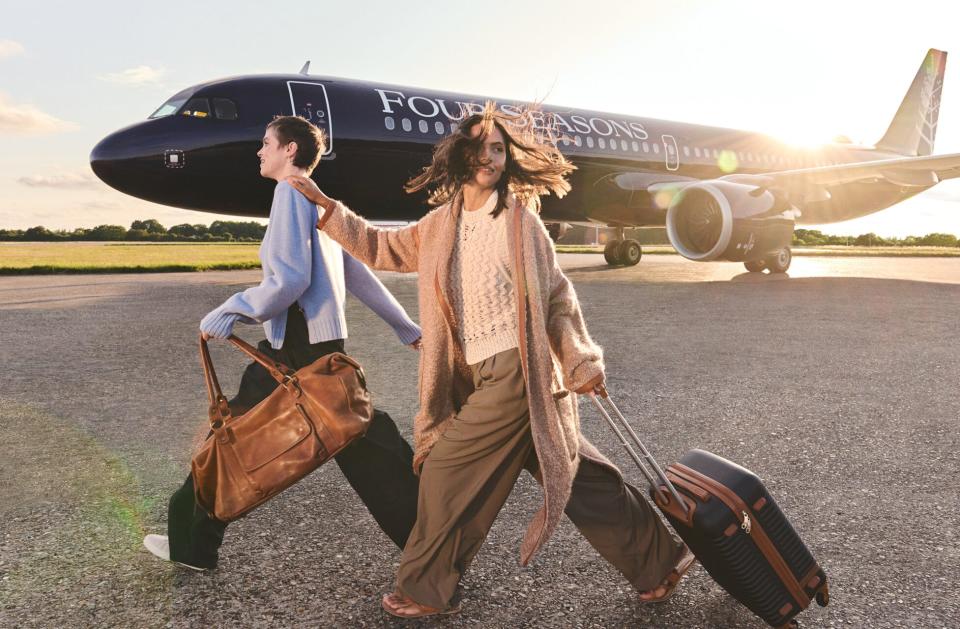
[914,127]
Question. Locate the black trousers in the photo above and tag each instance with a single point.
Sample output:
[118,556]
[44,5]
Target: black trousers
[379,465]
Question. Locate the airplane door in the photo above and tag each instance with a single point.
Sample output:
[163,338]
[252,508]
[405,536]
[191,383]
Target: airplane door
[309,100]
[670,152]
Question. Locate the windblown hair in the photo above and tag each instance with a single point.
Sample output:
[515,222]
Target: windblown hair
[311,140]
[534,166]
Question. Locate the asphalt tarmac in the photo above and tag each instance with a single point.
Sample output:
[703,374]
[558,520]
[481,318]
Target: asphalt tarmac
[837,385]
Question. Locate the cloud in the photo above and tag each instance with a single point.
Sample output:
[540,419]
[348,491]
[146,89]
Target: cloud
[140,75]
[64,181]
[28,120]
[10,48]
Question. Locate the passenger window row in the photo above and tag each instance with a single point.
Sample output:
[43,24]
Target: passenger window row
[425,127]
[635,146]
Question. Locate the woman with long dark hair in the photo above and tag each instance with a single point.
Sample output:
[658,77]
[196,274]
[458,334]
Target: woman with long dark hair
[505,351]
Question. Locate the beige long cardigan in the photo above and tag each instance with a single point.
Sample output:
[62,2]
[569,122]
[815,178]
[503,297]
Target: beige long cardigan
[550,325]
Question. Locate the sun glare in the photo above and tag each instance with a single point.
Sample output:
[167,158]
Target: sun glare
[805,136]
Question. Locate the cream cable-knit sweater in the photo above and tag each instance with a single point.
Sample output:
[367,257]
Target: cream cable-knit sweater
[481,289]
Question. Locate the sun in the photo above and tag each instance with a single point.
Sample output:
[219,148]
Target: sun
[806,135]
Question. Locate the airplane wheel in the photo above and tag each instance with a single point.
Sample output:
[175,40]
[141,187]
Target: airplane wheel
[611,253]
[755,266]
[779,262]
[630,252]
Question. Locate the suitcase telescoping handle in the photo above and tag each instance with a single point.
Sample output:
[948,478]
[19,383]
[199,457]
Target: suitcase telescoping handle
[646,454]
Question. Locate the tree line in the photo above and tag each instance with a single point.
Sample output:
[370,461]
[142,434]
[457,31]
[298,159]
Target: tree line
[149,230]
[813,237]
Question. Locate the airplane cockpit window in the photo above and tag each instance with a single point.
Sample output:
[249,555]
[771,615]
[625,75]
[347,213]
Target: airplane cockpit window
[224,109]
[170,107]
[197,108]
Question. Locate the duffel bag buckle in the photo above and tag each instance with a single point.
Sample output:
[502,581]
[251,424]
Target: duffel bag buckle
[746,524]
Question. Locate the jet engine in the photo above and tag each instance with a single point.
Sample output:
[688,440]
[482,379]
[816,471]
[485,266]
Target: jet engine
[723,220]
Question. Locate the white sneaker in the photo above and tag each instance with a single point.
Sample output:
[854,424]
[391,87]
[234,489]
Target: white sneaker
[159,546]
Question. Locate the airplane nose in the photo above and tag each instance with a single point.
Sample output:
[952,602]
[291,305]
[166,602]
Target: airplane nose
[100,157]
[175,162]
[122,160]
[108,157]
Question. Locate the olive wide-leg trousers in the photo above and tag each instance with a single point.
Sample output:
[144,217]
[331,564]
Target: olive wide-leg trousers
[471,470]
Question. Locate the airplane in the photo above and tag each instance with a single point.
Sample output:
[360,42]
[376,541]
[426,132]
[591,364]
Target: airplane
[722,194]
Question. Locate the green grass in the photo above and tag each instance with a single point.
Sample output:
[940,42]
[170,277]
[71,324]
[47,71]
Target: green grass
[84,257]
[35,258]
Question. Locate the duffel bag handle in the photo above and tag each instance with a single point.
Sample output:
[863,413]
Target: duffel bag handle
[219,408]
[280,372]
[646,454]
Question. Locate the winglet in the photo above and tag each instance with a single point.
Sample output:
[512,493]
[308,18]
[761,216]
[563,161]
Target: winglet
[305,70]
[915,126]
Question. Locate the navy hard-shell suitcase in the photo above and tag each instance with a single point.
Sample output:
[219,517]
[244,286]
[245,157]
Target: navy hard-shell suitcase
[735,528]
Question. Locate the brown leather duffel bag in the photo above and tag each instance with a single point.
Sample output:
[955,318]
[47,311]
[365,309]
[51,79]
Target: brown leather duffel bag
[313,414]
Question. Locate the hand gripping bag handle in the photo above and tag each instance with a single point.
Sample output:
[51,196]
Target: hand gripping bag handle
[633,454]
[219,408]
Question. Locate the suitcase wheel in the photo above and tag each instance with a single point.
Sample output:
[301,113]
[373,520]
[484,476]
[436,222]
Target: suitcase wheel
[823,597]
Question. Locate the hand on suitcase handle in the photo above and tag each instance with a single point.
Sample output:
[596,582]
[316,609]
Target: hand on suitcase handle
[646,454]
[594,386]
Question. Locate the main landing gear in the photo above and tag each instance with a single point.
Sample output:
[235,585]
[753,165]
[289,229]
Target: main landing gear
[776,262]
[622,252]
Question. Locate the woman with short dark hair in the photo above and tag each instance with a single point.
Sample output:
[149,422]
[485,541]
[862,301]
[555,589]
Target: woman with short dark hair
[300,303]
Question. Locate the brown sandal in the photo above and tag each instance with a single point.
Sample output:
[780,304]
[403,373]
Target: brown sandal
[389,601]
[687,559]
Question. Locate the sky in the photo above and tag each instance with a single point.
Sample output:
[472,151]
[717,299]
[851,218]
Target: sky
[70,73]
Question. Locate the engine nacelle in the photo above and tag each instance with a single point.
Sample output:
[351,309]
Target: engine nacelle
[722,220]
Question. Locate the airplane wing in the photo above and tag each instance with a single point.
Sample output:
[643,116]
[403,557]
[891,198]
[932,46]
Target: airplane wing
[806,184]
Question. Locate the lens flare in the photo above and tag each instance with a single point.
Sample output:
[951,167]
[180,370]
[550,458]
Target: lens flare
[664,197]
[728,162]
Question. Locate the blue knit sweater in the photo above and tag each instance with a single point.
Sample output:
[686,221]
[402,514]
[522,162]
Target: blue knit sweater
[301,264]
